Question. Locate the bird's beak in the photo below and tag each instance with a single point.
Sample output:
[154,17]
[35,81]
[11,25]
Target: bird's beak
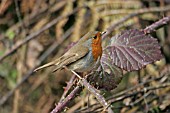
[103,32]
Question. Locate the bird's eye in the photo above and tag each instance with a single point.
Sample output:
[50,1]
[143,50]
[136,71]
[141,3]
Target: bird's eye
[95,37]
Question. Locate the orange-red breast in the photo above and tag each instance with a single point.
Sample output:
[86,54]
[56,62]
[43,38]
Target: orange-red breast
[83,56]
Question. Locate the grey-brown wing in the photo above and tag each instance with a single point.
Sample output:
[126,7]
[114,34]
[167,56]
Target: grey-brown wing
[69,57]
[72,57]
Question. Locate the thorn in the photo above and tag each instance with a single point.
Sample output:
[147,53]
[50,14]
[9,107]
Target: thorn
[55,104]
[64,88]
[67,83]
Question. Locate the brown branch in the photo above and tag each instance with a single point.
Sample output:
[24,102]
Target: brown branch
[19,14]
[41,59]
[63,103]
[35,34]
[4,5]
[116,24]
[67,88]
[92,90]
[137,11]
[145,89]
[157,25]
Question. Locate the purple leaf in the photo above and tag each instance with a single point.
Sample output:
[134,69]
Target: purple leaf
[131,50]
[106,79]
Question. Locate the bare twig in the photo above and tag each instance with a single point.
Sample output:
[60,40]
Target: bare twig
[157,25]
[62,104]
[67,88]
[19,14]
[92,90]
[4,5]
[116,24]
[35,34]
[141,91]
[137,11]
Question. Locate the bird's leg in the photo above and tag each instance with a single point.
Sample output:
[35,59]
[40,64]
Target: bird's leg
[73,72]
[76,74]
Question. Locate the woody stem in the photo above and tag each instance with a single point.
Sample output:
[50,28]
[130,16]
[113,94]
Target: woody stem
[93,91]
[77,75]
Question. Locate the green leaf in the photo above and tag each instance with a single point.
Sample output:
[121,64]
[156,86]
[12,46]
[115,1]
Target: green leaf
[11,78]
[1,53]
[10,34]
[13,74]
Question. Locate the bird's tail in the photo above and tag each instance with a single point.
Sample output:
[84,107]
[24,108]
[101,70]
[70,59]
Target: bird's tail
[44,66]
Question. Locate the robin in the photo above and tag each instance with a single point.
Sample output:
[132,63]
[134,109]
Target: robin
[81,57]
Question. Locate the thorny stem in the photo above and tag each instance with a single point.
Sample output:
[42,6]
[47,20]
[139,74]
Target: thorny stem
[116,24]
[63,103]
[67,88]
[157,25]
[92,90]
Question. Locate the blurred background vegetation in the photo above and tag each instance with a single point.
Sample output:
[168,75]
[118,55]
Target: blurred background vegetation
[45,28]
